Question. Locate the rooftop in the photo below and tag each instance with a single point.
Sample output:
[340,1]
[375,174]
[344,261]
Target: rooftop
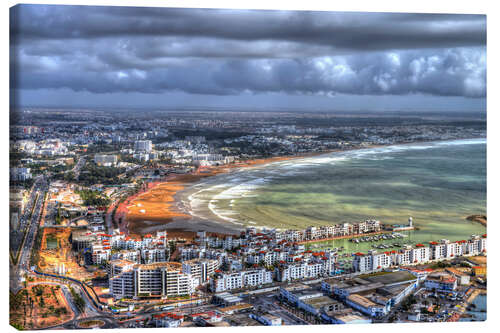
[169,265]
[350,318]
[306,292]
[242,320]
[297,287]
[319,302]
[388,278]
[393,290]
[355,289]
[237,307]
[363,301]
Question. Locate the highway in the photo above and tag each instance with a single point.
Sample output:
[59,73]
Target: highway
[31,224]
[17,235]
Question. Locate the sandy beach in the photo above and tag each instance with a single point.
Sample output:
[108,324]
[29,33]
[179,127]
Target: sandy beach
[154,208]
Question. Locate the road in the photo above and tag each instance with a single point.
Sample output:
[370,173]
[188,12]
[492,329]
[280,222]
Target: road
[69,299]
[109,214]
[74,324]
[90,312]
[78,166]
[32,225]
[17,236]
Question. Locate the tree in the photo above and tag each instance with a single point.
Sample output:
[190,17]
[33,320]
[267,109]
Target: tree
[79,301]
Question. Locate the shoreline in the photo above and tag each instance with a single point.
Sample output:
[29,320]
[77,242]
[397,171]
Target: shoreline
[475,294]
[166,213]
[159,198]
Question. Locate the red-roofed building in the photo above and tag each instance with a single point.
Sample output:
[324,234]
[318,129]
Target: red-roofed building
[441,282]
[168,320]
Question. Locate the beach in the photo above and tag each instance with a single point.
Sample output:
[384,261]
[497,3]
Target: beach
[154,208]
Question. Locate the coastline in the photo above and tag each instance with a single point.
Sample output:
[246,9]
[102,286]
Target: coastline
[475,294]
[156,208]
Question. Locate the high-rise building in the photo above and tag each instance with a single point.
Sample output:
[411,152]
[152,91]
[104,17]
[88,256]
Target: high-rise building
[162,279]
[143,146]
[200,268]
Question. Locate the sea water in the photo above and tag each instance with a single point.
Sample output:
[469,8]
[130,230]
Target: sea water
[439,184]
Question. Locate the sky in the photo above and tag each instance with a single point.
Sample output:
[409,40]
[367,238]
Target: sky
[122,57]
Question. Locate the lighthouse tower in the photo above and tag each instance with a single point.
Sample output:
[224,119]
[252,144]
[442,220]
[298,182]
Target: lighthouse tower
[410,222]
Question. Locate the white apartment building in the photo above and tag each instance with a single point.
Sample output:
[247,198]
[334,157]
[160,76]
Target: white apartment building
[293,235]
[403,257]
[420,253]
[101,253]
[267,257]
[303,270]
[229,243]
[201,269]
[442,250]
[116,267]
[150,256]
[153,280]
[313,233]
[380,260]
[130,255]
[371,261]
[257,277]
[476,244]
[143,146]
[228,281]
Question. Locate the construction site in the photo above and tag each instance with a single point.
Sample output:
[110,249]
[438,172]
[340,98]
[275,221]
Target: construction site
[55,255]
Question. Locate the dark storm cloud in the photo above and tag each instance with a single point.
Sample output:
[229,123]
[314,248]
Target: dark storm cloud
[229,52]
[352,31]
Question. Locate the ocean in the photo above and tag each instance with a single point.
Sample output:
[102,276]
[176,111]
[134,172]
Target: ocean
[438,184]
[478,313]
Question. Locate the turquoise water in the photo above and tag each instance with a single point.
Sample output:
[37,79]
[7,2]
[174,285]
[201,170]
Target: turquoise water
[479,313]
[439,184]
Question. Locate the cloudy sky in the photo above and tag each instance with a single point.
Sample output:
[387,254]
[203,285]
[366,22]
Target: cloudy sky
[162,58]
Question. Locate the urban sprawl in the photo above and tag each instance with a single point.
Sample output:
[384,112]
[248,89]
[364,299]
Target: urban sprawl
[76,264]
